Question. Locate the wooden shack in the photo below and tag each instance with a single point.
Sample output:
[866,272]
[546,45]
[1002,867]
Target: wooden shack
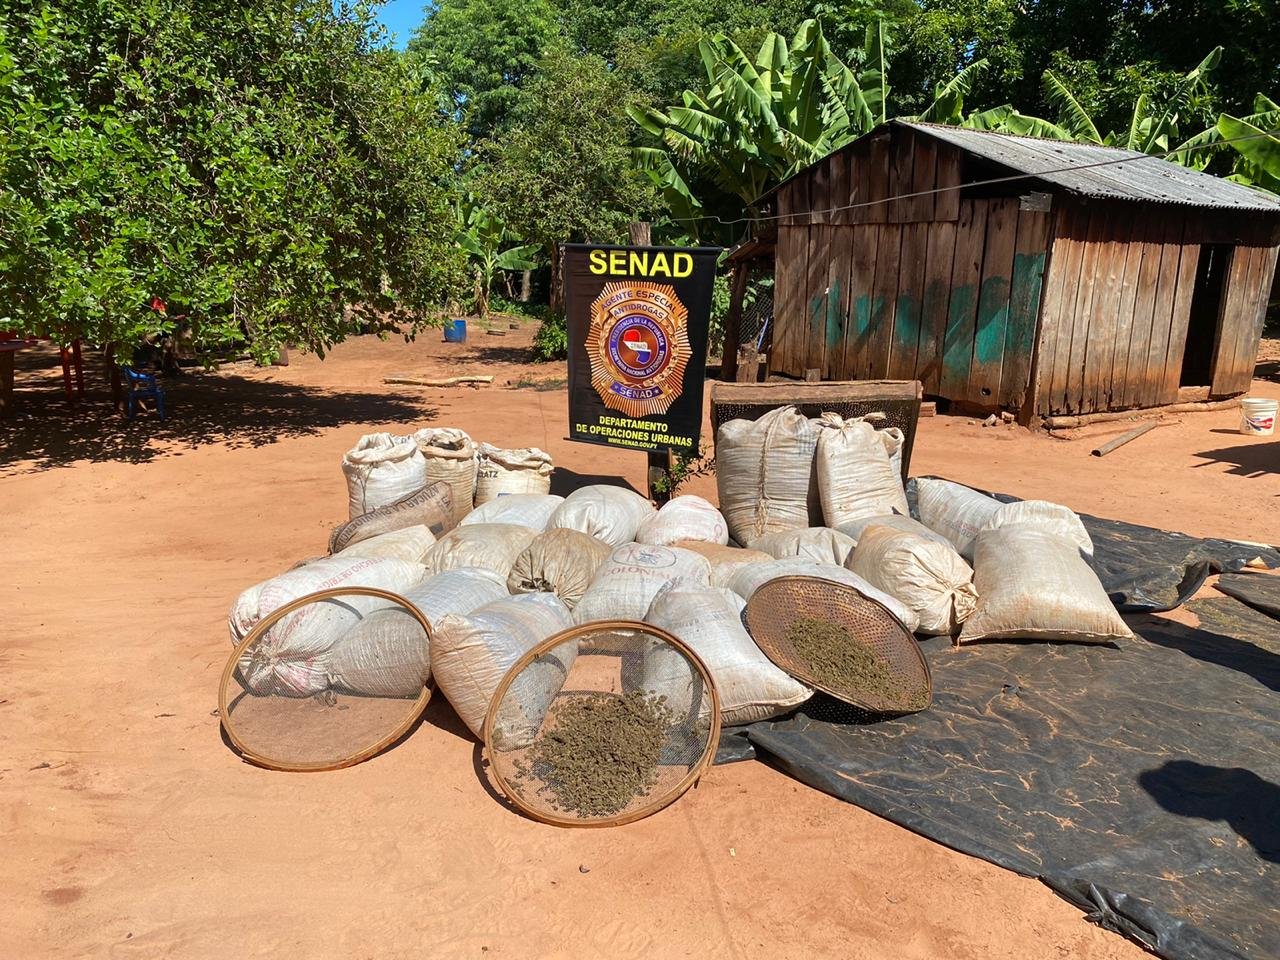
[1020,273]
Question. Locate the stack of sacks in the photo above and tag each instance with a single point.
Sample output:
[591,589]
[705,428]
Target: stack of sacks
[764,474]
[450,457]
[751,577]
[505,473]
[684,518]
[382,469]
[562,561]
[614,514]
[493,546]
[532,510]
[924,573]
[627,582]
[819,544]
[470,655]
[725,561]
[709,621]
[292,657]
[387,654]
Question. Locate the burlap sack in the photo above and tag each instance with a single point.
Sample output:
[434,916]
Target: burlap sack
[764,473]
[561,561]
[381,469]
[431,507]
[450,458]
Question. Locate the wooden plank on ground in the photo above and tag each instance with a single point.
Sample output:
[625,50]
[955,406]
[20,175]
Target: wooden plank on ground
[1071,258]
[992,318]
[933,307]
[884,300]
[816,296]
[962,305]
[1162,316]
[1025,285]
[1188,264]
[836,330]
[1124,319]
[905,343]
[946,205]
[862,273]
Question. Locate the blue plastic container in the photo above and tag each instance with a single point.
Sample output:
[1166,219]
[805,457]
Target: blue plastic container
[455,331]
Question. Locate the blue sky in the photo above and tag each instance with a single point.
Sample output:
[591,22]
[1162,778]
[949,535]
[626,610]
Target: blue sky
[400,17]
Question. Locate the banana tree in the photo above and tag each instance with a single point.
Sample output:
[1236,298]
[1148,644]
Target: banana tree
[1249,143]
[757,121]
[482,235]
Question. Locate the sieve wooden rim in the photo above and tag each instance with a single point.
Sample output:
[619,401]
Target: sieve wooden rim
[573,633]
[804,676]
[265,624]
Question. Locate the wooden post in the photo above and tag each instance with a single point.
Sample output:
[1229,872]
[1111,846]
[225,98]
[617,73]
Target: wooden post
[6,383]
[733,322]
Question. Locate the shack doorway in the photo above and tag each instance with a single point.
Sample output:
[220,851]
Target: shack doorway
[1205,322]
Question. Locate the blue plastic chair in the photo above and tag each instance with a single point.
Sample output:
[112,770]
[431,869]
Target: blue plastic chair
[143,386]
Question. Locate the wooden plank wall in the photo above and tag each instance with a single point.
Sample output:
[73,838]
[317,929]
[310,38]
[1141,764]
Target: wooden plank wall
[1117,303]
[926,286]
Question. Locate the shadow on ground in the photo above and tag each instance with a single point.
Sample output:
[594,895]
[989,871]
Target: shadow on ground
[1238,797]
[202,408]
[1247,460]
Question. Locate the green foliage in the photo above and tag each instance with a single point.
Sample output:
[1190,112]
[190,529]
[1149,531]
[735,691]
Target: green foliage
[551,342]
[483,52]
[263,168]
[482,235]
[684,467]
[562,171]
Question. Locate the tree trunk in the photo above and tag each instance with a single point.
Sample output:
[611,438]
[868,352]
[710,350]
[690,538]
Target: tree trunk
[526,285]
[556,299]
[640,233]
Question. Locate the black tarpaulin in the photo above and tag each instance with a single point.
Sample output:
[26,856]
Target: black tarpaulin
[1140,781]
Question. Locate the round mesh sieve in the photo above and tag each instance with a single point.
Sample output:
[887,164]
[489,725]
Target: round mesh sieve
[283,706]
[602,724]
[833,638]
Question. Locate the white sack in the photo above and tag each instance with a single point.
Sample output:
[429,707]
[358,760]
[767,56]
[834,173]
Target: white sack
[764,473]
[709,621]
[627,582]
[431,507]
[751,577]
[471,654]
[381,469]
[1034,585]
[1053,518]
[925,574]
[387,654]
[684,518]
[725,561]
[409,543]
[855,476]
[493,546]
[291,657]
[894,440]
[820,544]
[561,561]
[504,473]
[853,529]
[613,514]
[954,511]
[451,458]
[532,510]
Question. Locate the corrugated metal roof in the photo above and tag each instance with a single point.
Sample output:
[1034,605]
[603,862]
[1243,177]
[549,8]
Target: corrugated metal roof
[1146,178]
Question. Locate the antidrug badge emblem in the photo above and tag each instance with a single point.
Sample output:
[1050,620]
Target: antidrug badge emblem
[638,344]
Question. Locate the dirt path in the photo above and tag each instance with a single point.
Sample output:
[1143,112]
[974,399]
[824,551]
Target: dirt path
[130,830]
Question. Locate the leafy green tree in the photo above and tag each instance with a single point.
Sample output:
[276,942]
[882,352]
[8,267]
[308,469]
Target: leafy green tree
[562,170]
[266,169]
[483,52]
[482,235]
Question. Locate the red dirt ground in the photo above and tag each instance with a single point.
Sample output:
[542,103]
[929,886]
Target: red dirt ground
[130,829]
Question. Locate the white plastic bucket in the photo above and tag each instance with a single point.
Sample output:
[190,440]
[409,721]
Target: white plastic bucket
[1258,416]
